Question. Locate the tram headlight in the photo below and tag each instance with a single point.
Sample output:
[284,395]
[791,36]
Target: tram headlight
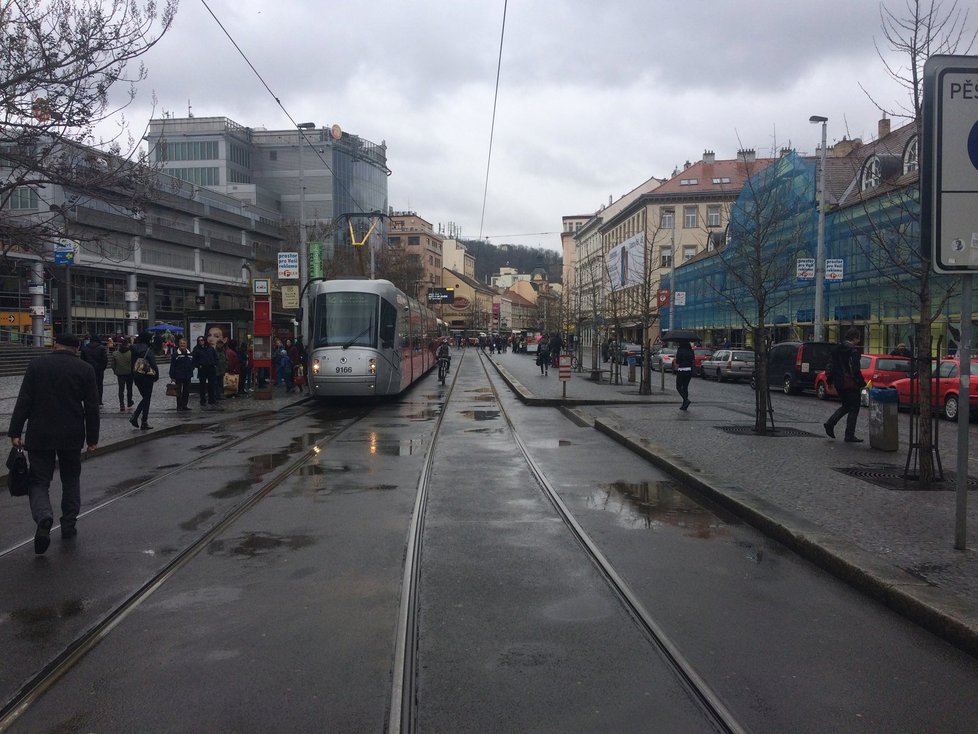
[315,366]
[372,366]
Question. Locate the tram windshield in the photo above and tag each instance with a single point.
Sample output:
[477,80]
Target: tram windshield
[345,319]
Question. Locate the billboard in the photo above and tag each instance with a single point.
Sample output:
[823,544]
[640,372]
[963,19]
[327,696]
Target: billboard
[626,263]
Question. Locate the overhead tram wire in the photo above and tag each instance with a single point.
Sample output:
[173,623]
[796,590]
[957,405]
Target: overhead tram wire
[492,127]
[302,133]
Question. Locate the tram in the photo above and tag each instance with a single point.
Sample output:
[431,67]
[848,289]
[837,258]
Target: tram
[367,338]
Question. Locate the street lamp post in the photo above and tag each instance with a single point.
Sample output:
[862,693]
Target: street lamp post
[819,318]
[303,237]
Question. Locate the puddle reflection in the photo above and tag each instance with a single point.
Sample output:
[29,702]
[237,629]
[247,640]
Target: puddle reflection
[481,415]
[256,544]
[40,622]
[656,504]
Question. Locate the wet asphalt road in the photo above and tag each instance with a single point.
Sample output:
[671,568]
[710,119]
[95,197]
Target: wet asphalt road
[285,621]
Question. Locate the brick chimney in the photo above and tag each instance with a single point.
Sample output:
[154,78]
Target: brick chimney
[709,157]
[884,128]
[747,156]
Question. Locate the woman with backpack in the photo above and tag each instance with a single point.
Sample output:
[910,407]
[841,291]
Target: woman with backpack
[145,373]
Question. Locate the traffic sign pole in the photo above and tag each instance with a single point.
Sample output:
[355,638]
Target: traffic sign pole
[949,218]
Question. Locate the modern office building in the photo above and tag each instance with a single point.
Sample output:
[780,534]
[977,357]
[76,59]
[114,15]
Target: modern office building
[324,174]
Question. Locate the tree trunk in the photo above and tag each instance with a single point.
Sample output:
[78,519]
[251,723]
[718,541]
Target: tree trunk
[762,395]
[925,421]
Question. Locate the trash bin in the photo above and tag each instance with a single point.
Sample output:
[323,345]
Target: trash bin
[631,369]
[883,426]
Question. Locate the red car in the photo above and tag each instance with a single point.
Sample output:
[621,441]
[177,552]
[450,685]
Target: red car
[700,355]
[879,370]
[945,395]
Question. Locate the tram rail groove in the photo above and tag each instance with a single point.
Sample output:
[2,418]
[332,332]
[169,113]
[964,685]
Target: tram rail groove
[695,685]
[404,671]
[55,669]
[165,475]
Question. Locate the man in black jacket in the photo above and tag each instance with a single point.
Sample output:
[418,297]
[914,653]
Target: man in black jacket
[845,375]
[97,355]
[59,402]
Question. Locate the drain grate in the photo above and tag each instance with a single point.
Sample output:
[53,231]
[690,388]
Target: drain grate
[776,433]
[892,478]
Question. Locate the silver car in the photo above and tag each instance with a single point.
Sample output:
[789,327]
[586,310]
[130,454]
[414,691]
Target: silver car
[729,364]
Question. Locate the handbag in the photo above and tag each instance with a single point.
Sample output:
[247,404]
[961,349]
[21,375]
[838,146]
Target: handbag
[171,389]
[230,384]
[17,479]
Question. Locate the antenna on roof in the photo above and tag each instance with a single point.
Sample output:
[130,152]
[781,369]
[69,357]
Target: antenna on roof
[190,109]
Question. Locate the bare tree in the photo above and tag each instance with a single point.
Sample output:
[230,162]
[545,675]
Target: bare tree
[766,226]
[58,61]
[892,233]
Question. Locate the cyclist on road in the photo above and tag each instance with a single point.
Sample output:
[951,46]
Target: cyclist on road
[445,352]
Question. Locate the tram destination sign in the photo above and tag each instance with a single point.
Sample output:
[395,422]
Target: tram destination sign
[949,163]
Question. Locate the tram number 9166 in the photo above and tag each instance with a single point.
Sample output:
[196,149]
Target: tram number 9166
[344,370]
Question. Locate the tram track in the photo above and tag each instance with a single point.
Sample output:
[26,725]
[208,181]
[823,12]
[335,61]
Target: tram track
[403,710]
[158,478]
[48,675]
[696,687]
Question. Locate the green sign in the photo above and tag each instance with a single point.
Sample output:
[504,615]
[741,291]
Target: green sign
[315,260]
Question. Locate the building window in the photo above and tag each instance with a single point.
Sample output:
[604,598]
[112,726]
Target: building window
[688,181]
[871,174]
[665,258]
[395,241]
[273,155]
[198,176]
[689,217]
[910,156]
[414,241]
[689,252]
[722,180]
[668,220]
[713,215]
[24,197]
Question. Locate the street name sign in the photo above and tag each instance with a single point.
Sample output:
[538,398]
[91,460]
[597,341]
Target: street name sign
[949,163]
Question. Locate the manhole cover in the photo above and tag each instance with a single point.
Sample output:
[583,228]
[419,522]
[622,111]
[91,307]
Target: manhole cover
[776,433]
[892,478]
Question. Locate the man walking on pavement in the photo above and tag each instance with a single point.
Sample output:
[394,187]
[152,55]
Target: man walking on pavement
[59,402]
[683,364]
[846,377]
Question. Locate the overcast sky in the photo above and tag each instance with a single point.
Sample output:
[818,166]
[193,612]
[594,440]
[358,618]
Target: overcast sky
[594,98]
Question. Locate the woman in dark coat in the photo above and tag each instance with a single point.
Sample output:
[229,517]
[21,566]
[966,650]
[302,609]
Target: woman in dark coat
[181,372]
[683,365]
[143,381]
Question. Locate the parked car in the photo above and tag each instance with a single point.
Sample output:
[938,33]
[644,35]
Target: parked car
[945,396]
[700,355]
[729,364]
[663,359]
[879,370]
[628,350]
[794,365]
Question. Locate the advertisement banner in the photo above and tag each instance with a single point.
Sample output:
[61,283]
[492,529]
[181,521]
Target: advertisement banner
[288,266]
[626,263]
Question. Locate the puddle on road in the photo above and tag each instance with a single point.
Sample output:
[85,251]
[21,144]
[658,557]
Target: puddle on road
[549,443]
[656,504]
[423,415]
[40,622]
[484,430]
[194,522]
[257,544]
[480,390]
[481,415]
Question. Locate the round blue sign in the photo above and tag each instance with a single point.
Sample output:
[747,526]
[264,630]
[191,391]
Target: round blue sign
[973,145]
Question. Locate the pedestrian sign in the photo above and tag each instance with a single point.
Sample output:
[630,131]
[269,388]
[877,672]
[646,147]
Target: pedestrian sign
[949,163]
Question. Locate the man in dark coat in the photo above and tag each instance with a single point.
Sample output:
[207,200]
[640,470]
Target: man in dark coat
[846,377]
[59,402]
[97,355]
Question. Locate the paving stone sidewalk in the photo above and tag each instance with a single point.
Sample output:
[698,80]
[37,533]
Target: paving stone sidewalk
[895,545]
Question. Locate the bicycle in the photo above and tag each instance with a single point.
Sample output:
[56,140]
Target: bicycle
[442,369]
